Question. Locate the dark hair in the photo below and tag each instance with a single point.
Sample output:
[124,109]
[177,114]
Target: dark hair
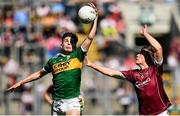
[148,52]
[74,38]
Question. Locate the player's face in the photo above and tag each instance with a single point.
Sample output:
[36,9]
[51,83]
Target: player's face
[140,59]
[67,46]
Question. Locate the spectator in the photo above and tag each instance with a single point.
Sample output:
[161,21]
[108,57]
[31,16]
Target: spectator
[21,18]
[27,99]
[42,10]
[124,97]
[7,39]
[53,44]
[8,19]
[129,62]
[147,16]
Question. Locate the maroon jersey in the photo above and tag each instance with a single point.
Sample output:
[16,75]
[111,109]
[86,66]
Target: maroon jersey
[148,84]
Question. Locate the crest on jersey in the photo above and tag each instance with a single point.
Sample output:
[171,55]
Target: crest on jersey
[68,57]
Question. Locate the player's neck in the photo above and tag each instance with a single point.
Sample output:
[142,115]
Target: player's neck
[66,52]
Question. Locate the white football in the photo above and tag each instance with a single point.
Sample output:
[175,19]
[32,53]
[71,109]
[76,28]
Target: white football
[87,14]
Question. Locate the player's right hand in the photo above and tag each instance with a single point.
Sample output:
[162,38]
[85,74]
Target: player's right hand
[143,31]
[15,86]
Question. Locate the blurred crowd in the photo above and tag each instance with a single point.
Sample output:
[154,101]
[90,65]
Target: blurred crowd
[30,33]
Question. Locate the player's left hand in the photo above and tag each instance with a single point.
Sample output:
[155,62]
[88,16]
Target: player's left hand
[94,7]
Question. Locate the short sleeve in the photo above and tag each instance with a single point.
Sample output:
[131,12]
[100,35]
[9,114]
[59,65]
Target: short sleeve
[80,54]
[158,63]
[159,66]
[47,67]
[128,75]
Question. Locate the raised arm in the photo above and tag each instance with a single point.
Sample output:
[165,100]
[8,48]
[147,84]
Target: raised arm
[30,78]
[158,53]
[87,42]
[104,70]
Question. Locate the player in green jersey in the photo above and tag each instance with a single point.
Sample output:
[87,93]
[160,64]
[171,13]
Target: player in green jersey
[66,70]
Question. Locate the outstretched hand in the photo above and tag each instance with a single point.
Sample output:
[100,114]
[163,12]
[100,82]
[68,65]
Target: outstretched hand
[143,31]
[12,88]
[94,7]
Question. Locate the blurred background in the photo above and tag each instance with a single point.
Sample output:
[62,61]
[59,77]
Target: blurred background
[30,33]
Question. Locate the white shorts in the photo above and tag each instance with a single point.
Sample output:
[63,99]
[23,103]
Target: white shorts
[62,106]
[165,113]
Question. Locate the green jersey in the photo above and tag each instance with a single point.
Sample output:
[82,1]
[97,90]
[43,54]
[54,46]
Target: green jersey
[66,71]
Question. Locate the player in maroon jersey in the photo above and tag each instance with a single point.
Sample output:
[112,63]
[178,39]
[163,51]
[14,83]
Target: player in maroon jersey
[147,80]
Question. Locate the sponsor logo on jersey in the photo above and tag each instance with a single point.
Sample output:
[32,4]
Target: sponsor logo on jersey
[143,83]
[67,65]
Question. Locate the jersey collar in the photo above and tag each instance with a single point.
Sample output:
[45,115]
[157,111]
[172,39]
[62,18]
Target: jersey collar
[61,54]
